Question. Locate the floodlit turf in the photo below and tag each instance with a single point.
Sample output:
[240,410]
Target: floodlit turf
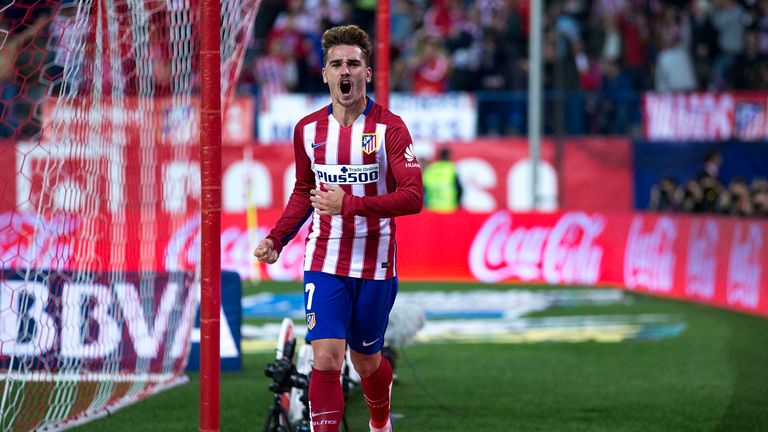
[711,377]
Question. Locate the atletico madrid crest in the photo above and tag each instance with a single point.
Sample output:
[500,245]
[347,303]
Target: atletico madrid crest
[310,320]
[370,144]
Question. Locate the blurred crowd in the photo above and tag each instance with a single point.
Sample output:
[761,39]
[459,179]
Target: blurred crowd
[705,193]
[599,54]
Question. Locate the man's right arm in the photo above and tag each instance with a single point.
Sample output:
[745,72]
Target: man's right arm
[299,207]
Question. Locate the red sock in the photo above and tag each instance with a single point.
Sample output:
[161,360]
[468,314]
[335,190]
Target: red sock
[376,389]
[326,401]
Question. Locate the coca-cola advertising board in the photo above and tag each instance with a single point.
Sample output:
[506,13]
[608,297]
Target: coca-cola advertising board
[713,260]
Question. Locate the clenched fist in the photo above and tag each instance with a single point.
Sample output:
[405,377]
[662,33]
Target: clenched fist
[265,252]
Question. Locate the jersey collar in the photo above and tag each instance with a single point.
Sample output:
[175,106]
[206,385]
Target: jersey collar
[365,111]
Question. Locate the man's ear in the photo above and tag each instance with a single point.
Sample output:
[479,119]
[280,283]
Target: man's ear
[325,80]
[368,75]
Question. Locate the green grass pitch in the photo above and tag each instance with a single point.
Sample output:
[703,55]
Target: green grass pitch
[711,377]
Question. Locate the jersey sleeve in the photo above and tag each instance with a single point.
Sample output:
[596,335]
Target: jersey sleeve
[408,194]
[299,207]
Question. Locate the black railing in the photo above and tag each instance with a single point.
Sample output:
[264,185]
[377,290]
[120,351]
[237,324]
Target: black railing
[566,113]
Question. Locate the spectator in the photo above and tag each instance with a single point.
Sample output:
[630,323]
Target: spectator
[466,45]
[364,14]
[746,71]
[441,16]
[22,59]
[493,113]
[674,70]
[160,57]
[728,18]
[404,24]
[292,39]
[736,200]
[611,49]
[664,195]
[591,78]
[635,34]
[429,66]
[442,187]
[760,203]
[66,34]
[300,20]
[268,12]
[617,98]
[563,52]
[759,191]
[689,196]
[711,189]
[759,184]
[512,36]
[712,163]
[703,41]
[760,26]
[334,12]
[275,72]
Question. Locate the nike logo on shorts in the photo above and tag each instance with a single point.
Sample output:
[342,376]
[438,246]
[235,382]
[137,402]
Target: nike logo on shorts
[365,343]
[316,145]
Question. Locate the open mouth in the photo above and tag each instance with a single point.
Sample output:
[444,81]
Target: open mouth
[345,87]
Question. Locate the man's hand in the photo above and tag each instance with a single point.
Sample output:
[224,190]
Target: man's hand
[328,203]
[265,252]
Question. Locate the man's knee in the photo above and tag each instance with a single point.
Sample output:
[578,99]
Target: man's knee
[327,355]
[365,364]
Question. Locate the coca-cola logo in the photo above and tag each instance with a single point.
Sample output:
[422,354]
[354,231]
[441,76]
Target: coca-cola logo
[700,275]
[31,241]
[564,253]
[649,259]
[744,267]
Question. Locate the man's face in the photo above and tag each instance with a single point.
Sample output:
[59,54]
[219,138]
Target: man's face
[346,74]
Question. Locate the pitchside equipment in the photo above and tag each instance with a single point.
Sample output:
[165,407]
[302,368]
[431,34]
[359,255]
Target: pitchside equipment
[290,378]
[100,190]
[290,383]
[289,412]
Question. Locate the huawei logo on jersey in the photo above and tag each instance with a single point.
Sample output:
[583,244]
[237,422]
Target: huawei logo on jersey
[410,157]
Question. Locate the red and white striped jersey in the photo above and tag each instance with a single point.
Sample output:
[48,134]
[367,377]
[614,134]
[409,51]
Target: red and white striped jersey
[374,162]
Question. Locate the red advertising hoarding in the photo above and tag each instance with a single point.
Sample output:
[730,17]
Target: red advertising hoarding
[596,174]
[713,260]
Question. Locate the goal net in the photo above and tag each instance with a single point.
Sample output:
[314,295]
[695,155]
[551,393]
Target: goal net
[99,135]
